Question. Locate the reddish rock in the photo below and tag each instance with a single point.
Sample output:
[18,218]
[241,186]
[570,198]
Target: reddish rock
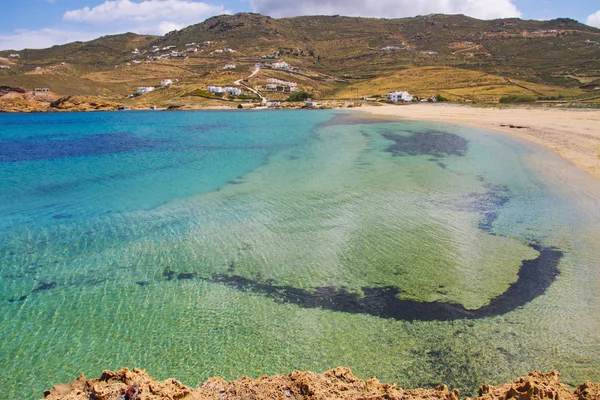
[338,383]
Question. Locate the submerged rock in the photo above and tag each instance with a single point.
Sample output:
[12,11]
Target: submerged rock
[338,383]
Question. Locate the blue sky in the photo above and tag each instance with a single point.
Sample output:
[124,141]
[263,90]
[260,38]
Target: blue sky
[43,23]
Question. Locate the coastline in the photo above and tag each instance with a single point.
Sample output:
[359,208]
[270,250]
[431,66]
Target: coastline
[338,383]
[573,133]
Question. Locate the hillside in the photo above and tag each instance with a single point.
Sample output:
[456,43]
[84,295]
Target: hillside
[330,56]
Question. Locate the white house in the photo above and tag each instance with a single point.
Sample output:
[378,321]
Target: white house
[311,104]
[390,48]
[229,66]
[233,91]
[228,50]
[190,44]
[166,82]
[280,65]
[273,104]
[271,87]
[216,89]
[14,55]
[40,90]
[218,51]
[399,97]
[146,89]
[135,51]
[4,67]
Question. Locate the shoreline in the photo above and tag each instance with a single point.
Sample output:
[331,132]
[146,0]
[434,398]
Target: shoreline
[572,133]
[338,383]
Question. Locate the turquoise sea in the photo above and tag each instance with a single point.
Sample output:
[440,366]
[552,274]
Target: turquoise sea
[201,244]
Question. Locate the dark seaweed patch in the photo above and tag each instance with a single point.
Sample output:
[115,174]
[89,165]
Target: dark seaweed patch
[62,216]
[432,143]
[168,273]
[186,276]
[534,278]
[20,299]
[44,286]
[32,149]
[488,204]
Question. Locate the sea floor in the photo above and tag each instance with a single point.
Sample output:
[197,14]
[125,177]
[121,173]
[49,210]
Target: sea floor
[201,244]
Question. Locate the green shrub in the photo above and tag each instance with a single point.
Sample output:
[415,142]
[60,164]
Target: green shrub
[559,97]
[439,97]
[299,96]
[517,98]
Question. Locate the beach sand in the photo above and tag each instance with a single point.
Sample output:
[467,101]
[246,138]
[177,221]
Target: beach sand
[573,133]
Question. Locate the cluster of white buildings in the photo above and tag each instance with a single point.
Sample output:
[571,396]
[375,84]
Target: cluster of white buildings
[226,50]
[144,89]
[277,85]
[280,65]
[399,97]
[222,90]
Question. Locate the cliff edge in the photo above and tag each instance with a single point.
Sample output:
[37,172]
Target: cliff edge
[338,383]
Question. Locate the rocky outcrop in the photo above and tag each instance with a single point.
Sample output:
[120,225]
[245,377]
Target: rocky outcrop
[82,103]
[338,383]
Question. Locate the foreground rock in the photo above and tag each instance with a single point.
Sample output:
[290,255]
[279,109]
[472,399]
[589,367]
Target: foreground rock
[337,383]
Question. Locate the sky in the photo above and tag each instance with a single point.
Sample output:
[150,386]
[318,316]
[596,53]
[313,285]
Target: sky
[44,23]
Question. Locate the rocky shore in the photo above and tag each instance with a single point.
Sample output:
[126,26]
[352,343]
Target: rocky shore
[338,383]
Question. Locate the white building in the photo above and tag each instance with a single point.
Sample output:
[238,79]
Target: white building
[190,44]
[216,89]
[229,66]
[218,51]
[228,50]
[311,104]
[135,51]
[166,82]
[271,87]
[273,104]
[233,91]
[390,48]
[280,65]
[4,67]
[146,89]
[399,97]
[14,55]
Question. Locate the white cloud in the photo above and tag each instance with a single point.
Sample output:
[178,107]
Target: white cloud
[594,19]
[176,11]
[484,9]
[42,38]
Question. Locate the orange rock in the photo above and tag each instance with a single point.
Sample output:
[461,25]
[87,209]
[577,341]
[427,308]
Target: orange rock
[338,383]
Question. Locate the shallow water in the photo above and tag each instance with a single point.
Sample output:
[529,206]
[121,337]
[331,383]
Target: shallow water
[197,244]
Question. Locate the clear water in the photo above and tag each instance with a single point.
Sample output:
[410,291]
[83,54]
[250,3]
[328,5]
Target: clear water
[197,244]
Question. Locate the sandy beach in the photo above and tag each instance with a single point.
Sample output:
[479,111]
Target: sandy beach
[574,134]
